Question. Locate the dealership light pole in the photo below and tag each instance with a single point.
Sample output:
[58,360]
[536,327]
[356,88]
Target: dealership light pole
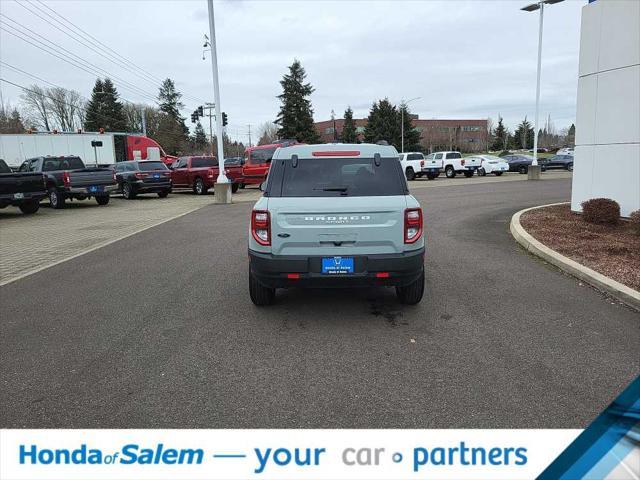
[534,173]
[222,187]
[403,107]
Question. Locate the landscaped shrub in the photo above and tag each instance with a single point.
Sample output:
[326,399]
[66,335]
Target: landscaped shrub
[601,211]
[635,221]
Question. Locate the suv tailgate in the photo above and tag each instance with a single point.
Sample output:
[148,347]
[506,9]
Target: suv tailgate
[337,225]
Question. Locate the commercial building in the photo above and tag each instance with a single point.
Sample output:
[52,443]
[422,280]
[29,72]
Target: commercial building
[607,152]
[435,134]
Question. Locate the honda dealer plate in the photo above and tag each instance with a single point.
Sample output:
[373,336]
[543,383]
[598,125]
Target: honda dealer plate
[337,265]
[94,188]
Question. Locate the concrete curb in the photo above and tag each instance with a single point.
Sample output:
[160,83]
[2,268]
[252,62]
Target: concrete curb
[616,289]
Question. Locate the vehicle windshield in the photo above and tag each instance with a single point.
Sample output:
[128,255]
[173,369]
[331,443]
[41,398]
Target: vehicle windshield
[199,162]
[51,164]
[149,166]
[334,177]
[262,155]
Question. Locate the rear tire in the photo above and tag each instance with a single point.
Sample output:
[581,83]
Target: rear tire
[102,199]
[497,174]
[450,172]
[163,194]
[570,167]
[242,185]
[410,174]
[235,187]
[522,170]
[127,191]
[56,198]
[29,208]
[468,173]
[199,187]
[412,293]
[482,172]
[260,295]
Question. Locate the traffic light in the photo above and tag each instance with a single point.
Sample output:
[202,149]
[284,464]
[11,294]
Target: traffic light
[201,111]
[194,117]
[224,119]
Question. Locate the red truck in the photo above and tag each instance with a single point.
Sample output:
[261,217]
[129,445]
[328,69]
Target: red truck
[257,161]
[200,174]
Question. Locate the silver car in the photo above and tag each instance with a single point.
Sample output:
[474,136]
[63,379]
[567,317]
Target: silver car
[336,215]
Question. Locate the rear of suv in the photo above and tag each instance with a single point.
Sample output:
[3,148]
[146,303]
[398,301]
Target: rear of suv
[336,215]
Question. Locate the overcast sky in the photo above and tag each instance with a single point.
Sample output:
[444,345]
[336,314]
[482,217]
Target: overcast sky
[465,59]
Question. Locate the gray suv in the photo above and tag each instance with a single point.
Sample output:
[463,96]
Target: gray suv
[336,215]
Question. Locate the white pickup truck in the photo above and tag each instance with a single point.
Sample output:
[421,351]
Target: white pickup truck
[453,163]
[415,165]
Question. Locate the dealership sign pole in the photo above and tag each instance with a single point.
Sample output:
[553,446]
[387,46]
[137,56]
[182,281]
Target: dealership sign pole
[222,186]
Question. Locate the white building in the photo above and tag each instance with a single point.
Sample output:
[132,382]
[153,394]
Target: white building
[607,153]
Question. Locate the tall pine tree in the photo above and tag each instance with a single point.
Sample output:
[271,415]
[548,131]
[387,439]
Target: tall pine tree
[349,134]
[411,135]
[104,109]
[500,136]
[200,138]
[382,123]
[523,136]
[296,114]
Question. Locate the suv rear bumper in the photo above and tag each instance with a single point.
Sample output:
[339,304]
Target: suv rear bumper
[272,270]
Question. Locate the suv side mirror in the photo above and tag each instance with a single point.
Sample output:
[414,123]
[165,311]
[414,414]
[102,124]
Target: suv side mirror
[263,186]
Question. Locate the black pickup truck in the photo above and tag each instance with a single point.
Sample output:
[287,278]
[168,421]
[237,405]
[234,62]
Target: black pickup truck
[23,189]
[67,179]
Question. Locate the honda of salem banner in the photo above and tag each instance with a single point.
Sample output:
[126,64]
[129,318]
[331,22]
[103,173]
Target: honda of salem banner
[608,449]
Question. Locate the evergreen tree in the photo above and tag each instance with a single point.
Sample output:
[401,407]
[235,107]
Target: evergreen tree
[523,136]
[10,120]
[169,102]
[104,110]
[382,123]
[296,114]
[500,136]
[349,134]
[411,135]
[571,135]
[200,138]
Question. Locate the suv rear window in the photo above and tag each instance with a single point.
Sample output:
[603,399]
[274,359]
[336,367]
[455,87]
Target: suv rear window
[149,166]
[51,164]
[336,177]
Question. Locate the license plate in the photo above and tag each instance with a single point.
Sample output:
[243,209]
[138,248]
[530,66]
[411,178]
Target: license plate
[94,188]
[156,175]
[337,265]
[18,196]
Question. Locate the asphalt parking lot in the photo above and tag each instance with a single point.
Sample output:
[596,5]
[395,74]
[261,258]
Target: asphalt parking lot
[157,330]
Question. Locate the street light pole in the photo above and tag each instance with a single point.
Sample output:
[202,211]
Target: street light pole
[223,192]
[534,173]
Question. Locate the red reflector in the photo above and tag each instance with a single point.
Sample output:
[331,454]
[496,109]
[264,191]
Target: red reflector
[382,274]
[293,276]
[336,153]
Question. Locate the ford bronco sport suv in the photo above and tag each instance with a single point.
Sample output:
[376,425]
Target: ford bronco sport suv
[336,215]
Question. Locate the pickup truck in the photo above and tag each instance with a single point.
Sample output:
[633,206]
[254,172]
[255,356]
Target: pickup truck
[414,165]
[200,174]
[23,189]
[67,179]
[453,163]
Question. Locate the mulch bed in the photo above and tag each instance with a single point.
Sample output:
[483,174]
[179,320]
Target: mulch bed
[613,251]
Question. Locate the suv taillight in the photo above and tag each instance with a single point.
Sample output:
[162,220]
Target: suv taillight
[412,225]
[462,162]
[261,227]
[115,178]
[66,179]
[422,163]
[140,175]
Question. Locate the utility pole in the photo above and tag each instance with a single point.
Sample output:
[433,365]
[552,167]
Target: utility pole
[144,121]
[333,119]
[249,126]
[209,107]
[222,187]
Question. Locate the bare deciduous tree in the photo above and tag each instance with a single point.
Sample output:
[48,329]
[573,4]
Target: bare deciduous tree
[37,106]
[66,108]
[268,133]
